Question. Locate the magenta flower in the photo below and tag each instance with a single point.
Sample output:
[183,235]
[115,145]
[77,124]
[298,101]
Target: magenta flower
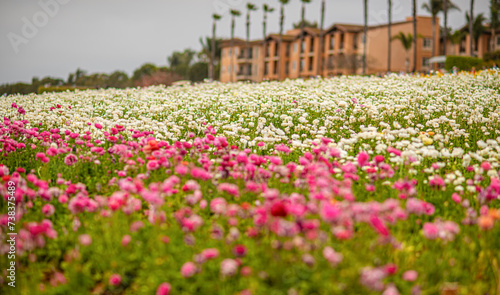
[239,250]
[70,159]
[163,289]
[188,269]
[153,165]
[98,126]
[115,279]
[209,253]
[430,231]
[48,209]
[363,159]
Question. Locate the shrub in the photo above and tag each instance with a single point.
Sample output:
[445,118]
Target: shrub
[463,63]
[492,56]
[43,89]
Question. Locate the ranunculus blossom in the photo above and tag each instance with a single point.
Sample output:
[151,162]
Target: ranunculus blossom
[115,279]
[163,289]
[188,269]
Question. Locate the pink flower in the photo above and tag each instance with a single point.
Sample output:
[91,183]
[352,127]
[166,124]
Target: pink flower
[98,126]
[115,279]
[486,165]
[379,225]
[85,239]
[218,205]
[48,209]
[333,257]
[188,269]
[126,240]
[153,165]
[163,289]
[410,275]
[209,253]
[228,267]
[329,212]
[239,250]
[70,159]
[363,159]
[430,231]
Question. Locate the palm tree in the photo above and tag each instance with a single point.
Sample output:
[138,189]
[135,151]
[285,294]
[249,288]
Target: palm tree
[319,67]
[434,7]
[415,34]
[302,23]
[457,37]
[282,20]
[250,7]
[389,14]
[234,14]
[365,31]
[267,9]
[494,21]
[470,20]
[407,42]
[211,70]
[447,5]
[477,28]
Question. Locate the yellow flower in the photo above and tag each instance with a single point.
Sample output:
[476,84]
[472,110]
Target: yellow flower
[427,140]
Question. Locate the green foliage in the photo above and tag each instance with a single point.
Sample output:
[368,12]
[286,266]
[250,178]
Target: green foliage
[494,55]
[43,89]
[463,63]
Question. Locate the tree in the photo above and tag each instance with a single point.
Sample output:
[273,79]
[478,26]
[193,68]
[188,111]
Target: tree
[434,7]
[307,24]
[145,70]
[470,21]
[267,9]
[494,21]
[389,14]
[180,62]
[234,14]
[211,72]
[477,29]
[457,37]
[280,42]
[319,66]
[250,7]
[407,42]
[414,5]
[198,71]
[365,33]
[302,26]
[118,79]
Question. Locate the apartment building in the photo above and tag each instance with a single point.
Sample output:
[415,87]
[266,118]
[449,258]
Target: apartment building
[341,54]
[486,42]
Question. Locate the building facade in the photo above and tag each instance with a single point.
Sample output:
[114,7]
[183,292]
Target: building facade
[341,52]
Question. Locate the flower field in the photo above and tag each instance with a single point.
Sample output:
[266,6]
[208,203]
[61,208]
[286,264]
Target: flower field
[349,185]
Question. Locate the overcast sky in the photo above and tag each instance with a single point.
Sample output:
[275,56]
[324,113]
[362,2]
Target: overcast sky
[108,35]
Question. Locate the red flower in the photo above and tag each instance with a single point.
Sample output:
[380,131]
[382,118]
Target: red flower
[278,209]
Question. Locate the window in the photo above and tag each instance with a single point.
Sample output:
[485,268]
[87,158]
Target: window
[287,50]
[498,41]
[311,44]
[355,41]
[229,52]
[427,43]
[425,62]
[302,64]
[332,41]
[287,68]
[266,68]
[294,65]
[295,47]
[341,41]
[303,46]
[275,67]
[311,63]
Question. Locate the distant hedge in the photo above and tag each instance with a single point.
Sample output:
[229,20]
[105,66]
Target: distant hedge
[43,89]
[463,63]
[492,56]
